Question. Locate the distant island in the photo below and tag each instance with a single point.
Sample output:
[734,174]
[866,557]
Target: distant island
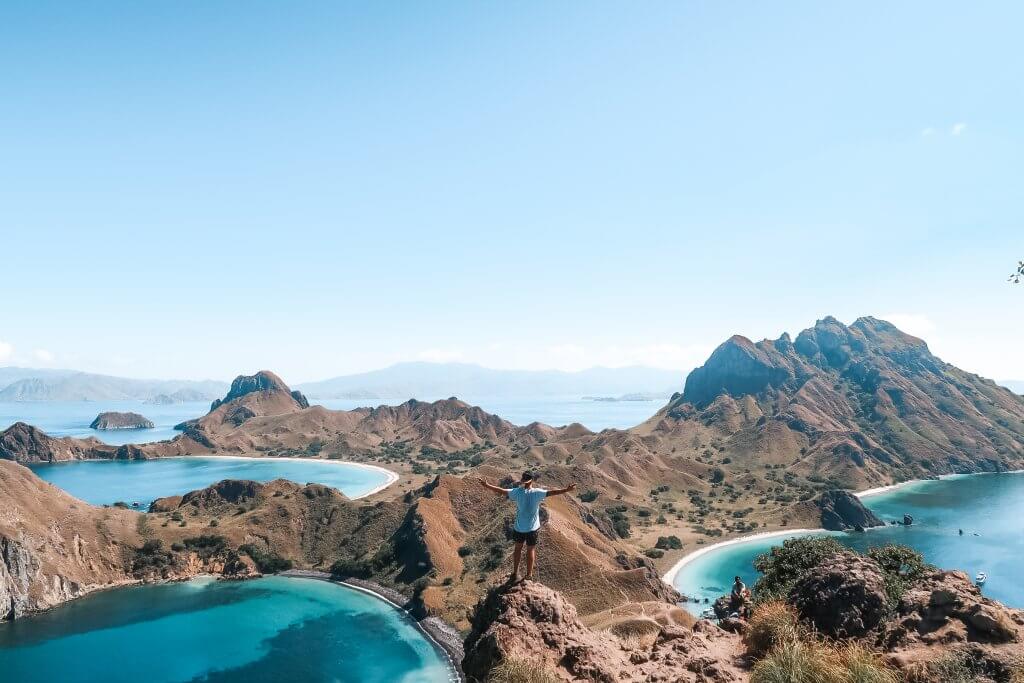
[113,420]
[628,397]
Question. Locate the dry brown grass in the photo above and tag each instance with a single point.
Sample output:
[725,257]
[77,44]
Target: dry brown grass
[794,661]
[865,666]
[521,671]
[772,624]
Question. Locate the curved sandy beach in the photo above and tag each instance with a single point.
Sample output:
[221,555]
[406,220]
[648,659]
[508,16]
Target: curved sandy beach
[670,576]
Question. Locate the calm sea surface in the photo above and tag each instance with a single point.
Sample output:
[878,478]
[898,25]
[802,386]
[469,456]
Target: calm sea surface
[265,630]
[103,482]
[988,507]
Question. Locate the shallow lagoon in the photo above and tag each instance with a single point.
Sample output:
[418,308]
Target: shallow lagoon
[103,482]
[988,507]
[270,629]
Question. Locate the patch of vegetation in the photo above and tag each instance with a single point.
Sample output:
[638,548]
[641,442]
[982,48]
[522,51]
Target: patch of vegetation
[364,567]
[589,496]
[514,670]
[268,561]
[151,556]
[903,567]
[772,624]
[669,543]
[206,545]
[783,566]
[654,553]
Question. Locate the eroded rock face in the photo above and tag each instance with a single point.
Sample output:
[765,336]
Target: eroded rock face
[736,367]
[529,622]
[948,607]
[842,597]
[842,511]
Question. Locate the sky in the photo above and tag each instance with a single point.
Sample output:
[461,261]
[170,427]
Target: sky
[201,189]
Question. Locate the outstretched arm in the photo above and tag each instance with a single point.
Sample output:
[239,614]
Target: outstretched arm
[492,487]
[558,492]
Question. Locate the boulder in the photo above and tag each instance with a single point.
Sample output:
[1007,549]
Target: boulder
[842,597]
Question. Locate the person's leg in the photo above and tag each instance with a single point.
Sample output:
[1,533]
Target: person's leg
[517,555]
[531,559]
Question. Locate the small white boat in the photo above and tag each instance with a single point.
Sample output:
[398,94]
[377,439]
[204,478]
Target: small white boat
[980,579]
[707,614]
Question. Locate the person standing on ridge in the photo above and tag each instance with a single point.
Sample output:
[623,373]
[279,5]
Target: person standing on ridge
[527,498]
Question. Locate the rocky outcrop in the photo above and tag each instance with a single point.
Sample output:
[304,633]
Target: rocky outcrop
[736,367]
[842,597]
[530,625]
[862,405]
[946,607]
[114,420]
[843,511]
[27,444]
[264,380]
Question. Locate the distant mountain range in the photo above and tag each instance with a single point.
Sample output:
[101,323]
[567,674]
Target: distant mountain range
[398,383]
[420,380]
[436,380]
[34,384]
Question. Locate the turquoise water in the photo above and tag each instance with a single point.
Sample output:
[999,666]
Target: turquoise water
[72,418]
[102,482]
[988,507]
[270,629]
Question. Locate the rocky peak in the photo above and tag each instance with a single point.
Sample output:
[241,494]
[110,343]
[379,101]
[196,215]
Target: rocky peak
[264,380]
[532,625]
[737,367]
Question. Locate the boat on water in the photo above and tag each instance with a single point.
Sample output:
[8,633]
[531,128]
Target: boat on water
[980,579]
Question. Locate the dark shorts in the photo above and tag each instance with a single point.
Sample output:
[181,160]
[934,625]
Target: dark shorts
[529,537]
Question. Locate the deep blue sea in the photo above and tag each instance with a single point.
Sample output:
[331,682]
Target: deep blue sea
[270,630]
[989,508]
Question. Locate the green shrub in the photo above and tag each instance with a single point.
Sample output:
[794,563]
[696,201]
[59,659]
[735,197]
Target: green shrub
[669,543]
[903,567]
[783,566]
[206,545]
[654,553]
[267,561]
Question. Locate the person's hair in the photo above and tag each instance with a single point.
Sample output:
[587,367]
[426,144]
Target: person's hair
[527,476]
[739,579]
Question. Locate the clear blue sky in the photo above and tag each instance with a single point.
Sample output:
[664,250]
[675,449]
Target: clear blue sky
[198,189]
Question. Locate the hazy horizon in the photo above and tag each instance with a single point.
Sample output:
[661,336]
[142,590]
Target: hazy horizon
[322,190]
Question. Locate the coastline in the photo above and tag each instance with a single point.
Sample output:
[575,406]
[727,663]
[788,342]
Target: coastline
[670,576]
[444,637]
[391,475]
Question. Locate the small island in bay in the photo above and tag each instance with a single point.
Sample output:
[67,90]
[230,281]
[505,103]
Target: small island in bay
[115,420]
